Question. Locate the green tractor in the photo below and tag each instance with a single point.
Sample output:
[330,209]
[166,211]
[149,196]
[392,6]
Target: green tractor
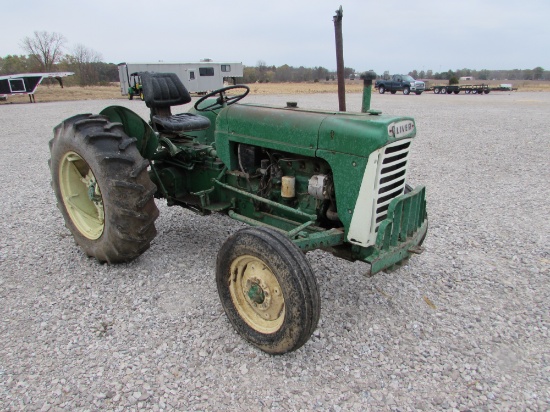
[135,86]
[301,179]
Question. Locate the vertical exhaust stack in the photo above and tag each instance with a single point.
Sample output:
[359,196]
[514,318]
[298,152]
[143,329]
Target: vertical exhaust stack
[367,78]
[340,59]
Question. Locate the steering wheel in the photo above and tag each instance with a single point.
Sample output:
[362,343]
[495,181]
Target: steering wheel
[223,100]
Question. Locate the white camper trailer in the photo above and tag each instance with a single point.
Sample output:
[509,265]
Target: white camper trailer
[197,77]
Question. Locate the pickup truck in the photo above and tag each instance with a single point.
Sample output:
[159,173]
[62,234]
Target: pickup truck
[400,82]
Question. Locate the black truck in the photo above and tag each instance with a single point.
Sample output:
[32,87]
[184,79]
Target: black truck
[400,82]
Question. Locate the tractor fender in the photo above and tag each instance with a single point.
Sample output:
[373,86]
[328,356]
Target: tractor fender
[134,126]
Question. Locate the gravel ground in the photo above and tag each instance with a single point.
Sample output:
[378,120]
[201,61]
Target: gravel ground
[464,326]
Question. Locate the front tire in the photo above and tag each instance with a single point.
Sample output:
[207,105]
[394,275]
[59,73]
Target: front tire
[268,290]
[381,90]
[102,188]
[406,91]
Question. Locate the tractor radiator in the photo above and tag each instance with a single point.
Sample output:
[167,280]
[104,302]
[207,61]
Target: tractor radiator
[390,182]
[383,181]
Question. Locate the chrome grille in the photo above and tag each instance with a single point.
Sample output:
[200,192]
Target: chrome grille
[392,170]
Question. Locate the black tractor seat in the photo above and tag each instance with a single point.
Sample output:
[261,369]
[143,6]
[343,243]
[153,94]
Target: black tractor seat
[161,91]
[182,122]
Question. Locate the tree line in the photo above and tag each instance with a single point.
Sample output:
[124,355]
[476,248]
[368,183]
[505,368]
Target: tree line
[263,73]
[538,73]
[48,52]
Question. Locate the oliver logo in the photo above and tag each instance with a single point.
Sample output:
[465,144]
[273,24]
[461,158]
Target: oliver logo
[400,129]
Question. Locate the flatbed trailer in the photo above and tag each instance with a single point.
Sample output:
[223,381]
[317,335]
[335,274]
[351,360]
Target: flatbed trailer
[469,89]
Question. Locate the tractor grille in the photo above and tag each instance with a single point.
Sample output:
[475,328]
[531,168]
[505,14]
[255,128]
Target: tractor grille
[392,170]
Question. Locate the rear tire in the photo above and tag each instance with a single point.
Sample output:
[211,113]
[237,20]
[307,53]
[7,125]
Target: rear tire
[103,188]
[268,290]
[437,90]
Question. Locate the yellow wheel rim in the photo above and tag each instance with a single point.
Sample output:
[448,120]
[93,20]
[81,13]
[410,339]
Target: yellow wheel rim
[256,294]
[81,195]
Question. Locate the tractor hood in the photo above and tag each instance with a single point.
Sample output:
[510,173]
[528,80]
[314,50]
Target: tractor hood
[306,131]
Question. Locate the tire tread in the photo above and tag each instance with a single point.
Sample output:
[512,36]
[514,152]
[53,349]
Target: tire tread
[128,193]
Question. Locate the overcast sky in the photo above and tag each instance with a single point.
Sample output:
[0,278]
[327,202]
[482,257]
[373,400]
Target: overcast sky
[394,35]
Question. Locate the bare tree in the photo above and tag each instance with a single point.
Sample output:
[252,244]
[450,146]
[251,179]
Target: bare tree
[46,48]
[84,58]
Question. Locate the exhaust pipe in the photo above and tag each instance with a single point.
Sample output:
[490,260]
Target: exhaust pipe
[367,78]
[340,59]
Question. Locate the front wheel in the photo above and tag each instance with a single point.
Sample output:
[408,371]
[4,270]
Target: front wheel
[381,90]
[406,91]
[267,289]
[102,188]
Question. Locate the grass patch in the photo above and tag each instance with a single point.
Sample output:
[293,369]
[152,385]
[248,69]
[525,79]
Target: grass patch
[54,93]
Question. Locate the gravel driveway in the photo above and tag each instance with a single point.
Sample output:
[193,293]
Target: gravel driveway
[465,326]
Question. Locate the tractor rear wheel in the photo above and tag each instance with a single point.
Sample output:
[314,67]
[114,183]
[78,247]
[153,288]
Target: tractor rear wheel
[102,188]
[268,290]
